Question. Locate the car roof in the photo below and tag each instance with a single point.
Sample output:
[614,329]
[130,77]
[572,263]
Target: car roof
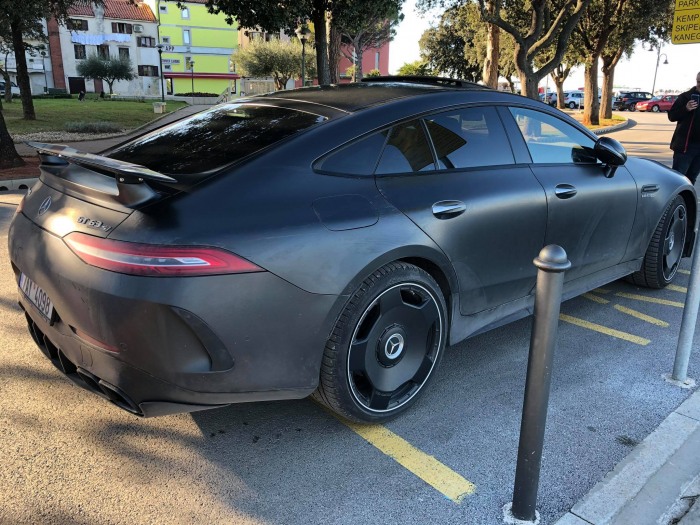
[353,97]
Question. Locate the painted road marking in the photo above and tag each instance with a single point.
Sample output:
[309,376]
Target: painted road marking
[675,288]
[605,330]
[684,272]
[595,298]
[601,290]
[650,299]
[423,465]
[640,315]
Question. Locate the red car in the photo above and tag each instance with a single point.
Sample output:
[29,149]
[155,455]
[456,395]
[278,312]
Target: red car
[656,104]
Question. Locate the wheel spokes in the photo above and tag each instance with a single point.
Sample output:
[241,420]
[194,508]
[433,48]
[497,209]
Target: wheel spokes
[673,243]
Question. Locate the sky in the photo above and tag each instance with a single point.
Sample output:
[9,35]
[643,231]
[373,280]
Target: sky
[636,72]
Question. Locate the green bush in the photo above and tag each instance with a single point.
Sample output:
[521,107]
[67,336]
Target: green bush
[92,127]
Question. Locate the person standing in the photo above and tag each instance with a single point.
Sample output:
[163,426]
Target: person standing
[686,138]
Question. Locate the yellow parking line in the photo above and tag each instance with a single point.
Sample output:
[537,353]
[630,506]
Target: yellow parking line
[684,272]
[595,298]
[601,290]
[675,288]
[426,467]
[640,315]
[604,330]
[650,299]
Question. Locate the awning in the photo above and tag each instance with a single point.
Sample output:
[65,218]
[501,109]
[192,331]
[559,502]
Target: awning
[218,76]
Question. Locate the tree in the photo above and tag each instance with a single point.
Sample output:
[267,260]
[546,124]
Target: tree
[365,25]
[108,69]
[276,59]
[417,68]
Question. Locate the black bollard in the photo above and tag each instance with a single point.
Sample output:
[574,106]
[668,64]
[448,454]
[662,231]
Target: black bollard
[552,262]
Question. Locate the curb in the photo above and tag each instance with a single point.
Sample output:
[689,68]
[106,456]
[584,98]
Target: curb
[609,129]
[648,484]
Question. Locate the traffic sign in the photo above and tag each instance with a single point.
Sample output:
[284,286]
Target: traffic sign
[686,22]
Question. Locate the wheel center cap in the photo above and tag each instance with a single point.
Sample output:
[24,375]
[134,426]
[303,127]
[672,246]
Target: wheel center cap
[391,345]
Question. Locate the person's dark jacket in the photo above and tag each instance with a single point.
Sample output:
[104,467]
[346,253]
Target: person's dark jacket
[687,122]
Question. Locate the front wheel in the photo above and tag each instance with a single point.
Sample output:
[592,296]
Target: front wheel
[665,248]
[385,346]
[572,105]
[655,108]
[632,107]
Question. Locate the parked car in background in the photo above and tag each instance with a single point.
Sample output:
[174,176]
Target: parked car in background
[13,88]
[573,99]
[627,100]
[656,104]
[326,241]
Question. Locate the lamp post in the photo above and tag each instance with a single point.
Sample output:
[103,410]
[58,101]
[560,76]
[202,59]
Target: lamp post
[658,57]
[192,77]
[43,66]
[160,60]
[302,34]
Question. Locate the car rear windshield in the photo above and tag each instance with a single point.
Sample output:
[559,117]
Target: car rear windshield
[214,138]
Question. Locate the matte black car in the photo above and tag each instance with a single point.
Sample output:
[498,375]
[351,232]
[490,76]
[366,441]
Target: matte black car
[328,241]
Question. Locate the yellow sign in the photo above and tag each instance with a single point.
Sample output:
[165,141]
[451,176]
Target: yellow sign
[686,22]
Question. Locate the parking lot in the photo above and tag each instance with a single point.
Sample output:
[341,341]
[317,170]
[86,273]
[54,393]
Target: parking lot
[70,457]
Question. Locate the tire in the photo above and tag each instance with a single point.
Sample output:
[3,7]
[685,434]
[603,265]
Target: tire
[665,248]
[632,108]
[572,105]
[385,346]
[655,108]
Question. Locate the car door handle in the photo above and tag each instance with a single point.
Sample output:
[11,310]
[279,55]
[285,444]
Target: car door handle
[448,209]
[565,191]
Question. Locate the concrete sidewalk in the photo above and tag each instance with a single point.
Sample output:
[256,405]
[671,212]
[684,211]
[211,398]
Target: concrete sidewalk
[656,484]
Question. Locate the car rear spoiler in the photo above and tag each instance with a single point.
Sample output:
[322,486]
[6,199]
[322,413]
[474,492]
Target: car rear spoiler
[131,179]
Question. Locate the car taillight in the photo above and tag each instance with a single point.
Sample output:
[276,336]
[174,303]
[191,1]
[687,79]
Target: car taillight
[156,260]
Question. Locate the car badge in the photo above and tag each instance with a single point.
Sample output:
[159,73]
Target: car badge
[44,206]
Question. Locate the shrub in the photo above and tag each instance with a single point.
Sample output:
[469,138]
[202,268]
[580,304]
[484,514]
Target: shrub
[92,127]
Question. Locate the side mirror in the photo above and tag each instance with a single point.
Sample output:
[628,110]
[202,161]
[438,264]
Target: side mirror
[611,153]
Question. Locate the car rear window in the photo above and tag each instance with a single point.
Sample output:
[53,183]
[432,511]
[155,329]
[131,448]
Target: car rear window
[214,138]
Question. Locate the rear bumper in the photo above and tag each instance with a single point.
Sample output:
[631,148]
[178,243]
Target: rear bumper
[154,346]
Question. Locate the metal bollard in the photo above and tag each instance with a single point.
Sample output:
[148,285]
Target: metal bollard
[552,262]
[690,316]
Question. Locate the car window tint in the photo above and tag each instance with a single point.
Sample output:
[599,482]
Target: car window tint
[551,140]
[468,138]
[358,158]
[407,150]
[214,138]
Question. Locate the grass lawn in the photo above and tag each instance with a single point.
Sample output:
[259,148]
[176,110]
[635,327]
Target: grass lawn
[52,114]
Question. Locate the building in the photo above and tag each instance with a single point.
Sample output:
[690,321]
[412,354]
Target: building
[118,28]
[197,48]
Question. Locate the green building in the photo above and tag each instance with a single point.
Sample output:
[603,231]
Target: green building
[196,48]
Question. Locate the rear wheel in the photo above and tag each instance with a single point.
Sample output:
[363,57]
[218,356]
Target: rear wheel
[665,248]
[572,105]
[385,346]
[632,107]
[655,108]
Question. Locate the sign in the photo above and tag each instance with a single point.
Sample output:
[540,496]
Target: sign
[171,61]
[686,22]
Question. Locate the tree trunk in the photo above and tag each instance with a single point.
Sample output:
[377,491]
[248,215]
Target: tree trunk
[22,73]
[8,83]
[609,63]
[319,20]
[590,97]
[493,49]
[358,64]
[8,154]
[334,54]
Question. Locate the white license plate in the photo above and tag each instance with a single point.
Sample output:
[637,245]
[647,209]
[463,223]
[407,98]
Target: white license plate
[37,296]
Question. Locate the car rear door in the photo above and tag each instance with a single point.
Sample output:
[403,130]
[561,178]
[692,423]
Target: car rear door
[454,175]
[590,216]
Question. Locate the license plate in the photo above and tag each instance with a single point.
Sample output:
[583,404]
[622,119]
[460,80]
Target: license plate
[37,296]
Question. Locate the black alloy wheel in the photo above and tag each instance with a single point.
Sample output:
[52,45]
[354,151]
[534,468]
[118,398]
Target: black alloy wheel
[665,248]
[632,107]
[385,346]
[655,108]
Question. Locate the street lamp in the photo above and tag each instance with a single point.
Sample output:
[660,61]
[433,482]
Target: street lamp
[43,66]
[160,59]
[192,73]
[658,57]
[302,34]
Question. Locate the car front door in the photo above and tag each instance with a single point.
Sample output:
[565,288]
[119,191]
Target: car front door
[590,216]
[484,211]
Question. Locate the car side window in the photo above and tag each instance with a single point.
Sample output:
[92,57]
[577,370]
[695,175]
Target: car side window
[406,151]
[468,138]
[358,158]
[551,140]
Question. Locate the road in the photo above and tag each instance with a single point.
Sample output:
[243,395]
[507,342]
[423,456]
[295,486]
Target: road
[70,457]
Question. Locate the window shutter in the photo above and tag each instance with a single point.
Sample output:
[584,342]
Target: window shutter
[141,71]
[85,25]
[129,29]
[114,27]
